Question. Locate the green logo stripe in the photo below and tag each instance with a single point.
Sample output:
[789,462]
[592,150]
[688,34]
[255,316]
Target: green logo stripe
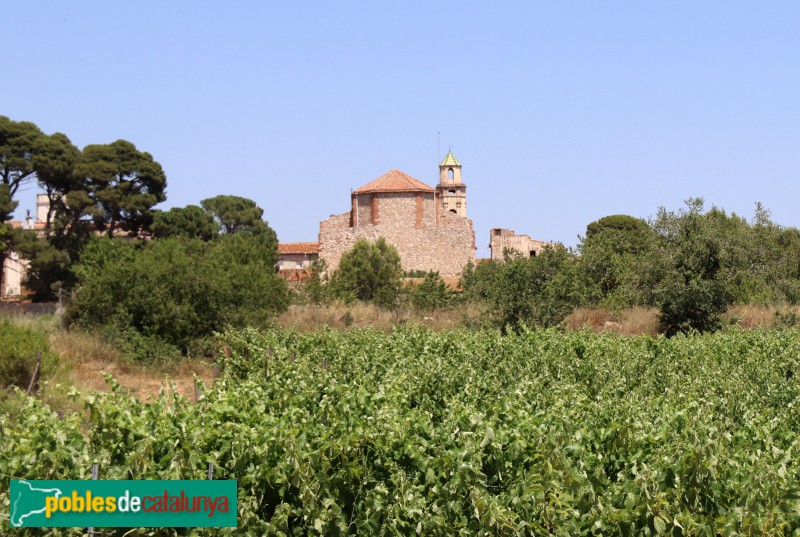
[68,504]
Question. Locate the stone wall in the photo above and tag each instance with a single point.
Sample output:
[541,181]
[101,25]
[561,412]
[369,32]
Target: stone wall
[408,220]
[27,308]
[502,239]
[402,209]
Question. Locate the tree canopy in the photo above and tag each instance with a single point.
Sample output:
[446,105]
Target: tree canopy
[110,187]
[20,143]
[191,221]
[124,184]
[235,214]
[620,222]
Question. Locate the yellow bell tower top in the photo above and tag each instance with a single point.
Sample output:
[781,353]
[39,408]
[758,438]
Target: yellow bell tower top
[452,191]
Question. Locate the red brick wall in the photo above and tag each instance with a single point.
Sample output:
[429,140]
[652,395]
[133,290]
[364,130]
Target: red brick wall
[374,210]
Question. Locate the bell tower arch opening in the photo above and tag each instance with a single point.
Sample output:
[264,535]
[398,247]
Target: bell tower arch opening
[452,192]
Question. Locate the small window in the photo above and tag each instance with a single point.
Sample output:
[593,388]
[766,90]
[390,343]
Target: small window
[453,211]
[533,253]
[451,192]
[450,174]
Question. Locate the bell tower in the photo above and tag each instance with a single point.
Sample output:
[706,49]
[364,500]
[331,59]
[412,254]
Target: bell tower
[451,191]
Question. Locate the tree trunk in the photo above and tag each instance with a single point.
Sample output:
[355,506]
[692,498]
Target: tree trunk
[2,274]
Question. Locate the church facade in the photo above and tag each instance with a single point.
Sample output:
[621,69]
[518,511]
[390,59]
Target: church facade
[428,226]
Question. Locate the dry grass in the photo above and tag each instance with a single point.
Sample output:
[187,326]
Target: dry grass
[310,317]
[629,322]
[452,282]
[90,358]
[38,323]
[86,357]
[638,320]
[759,316]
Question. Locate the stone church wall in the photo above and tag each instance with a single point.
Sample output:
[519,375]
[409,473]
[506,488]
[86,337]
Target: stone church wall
[407,220]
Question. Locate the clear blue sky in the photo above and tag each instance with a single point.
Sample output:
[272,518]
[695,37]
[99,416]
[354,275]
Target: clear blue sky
[561,112]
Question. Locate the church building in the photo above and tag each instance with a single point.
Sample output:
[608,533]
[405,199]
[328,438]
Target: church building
[428,226]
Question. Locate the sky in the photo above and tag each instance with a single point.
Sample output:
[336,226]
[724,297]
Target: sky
[560,112]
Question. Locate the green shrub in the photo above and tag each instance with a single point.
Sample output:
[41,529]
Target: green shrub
[786,319]
[694,305]
[315,289]
[18,349]
[431,293]
[369,271]
[534,292]
[164,294]
[142,348]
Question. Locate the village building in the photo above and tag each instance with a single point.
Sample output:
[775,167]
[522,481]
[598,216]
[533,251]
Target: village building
[14,270]
[297,255]
[505,240]
[428,226]
[14,267]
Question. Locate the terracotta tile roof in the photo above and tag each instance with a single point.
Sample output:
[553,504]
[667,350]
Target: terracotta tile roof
[16,224]
[394,181]
[298,248]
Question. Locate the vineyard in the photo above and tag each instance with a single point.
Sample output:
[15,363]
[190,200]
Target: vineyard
[458,433]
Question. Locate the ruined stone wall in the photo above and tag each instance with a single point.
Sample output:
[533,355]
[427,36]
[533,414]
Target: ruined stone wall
[409,222]
[523,244]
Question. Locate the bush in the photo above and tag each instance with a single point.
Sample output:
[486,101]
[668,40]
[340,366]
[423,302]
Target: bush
[315,289]
[163,294]
[369,271]
[694,305]
[431,293]
[534,292]
[18,349]
[134,345]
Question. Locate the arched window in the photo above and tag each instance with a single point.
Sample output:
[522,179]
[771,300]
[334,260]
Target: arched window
[453,211]
[452,192]
[450,173]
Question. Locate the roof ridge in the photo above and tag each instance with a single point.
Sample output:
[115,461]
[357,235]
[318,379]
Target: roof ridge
[394,181]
